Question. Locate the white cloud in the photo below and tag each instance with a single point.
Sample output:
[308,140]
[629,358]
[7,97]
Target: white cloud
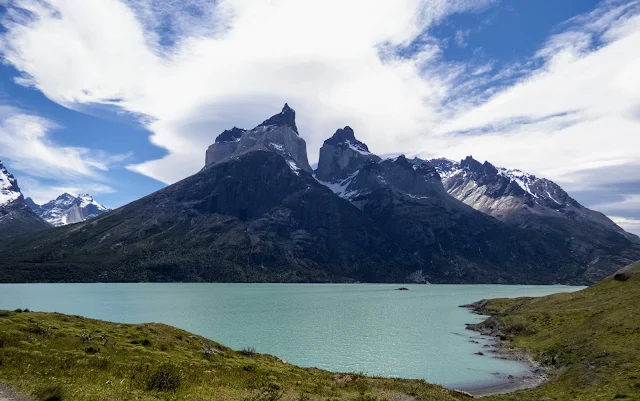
[321,57]
[574,108]
[44,168]
[24,139]
[629,224]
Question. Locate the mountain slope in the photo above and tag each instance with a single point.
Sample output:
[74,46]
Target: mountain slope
[16,218]
[526,201]
[456,243]
[253,217]
[67,209]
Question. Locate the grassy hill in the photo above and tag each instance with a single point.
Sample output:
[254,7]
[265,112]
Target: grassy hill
[590,338]
[58,357]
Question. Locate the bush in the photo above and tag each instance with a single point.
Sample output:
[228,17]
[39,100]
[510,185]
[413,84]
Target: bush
[91,350]
[248,351]
[141,341]
[53,392]
[165,378]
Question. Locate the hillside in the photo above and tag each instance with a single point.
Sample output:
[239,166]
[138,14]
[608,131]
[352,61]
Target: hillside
[73,358]
[590,338]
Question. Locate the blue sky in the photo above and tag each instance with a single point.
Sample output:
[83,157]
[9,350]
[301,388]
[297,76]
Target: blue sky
[550,87]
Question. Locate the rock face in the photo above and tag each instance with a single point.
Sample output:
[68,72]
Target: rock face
[67,209]
[341,156]
[277,134]
[16,217]
[524,200]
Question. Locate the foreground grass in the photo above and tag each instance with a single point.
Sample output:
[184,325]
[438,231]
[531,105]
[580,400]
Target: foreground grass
[591,339]
[58,357]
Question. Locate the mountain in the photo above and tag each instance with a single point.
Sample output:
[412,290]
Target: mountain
[454,242]
[256,216]
[16,217]
[277,134]
[524,200]
[257,212]
[67,209]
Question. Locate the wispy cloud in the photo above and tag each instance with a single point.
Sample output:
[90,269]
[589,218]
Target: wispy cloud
[25,141]
[45,167]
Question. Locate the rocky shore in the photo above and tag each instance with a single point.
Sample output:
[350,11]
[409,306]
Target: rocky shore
[500,347]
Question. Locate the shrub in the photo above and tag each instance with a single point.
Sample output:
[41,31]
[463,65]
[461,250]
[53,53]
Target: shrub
[53,392]
[5,313]
[91,350]
[248,351]
[165,378]
[141,341]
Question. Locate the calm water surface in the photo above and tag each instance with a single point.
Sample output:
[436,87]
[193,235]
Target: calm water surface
[366,328]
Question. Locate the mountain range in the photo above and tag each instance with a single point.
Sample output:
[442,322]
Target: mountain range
[258,212]
[67,209]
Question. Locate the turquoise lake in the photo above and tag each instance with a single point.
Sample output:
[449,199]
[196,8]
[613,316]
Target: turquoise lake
[368,328]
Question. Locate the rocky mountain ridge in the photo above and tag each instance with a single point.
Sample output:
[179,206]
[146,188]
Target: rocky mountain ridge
[16,218]
[68,209]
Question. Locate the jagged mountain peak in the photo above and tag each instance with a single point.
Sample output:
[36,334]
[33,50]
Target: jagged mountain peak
[16,217]
[346,137]
[68,209]
[277,134]
[286,117]
[230,135]
[9,189]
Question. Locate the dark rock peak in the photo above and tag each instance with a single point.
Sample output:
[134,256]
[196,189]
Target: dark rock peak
[65,195]
[471,164]
[347,136]
[403,161]
[31,203]
[230,135]
[286,117]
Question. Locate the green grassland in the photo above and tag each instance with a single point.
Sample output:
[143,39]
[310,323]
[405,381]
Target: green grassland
[60,357]
[590,339]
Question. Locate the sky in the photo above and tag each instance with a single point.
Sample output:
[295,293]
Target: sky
[121,98]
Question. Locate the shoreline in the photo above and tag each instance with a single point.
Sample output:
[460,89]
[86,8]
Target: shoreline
[499,348]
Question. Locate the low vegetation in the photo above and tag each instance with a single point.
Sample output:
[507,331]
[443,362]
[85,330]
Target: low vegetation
[55,357]
[589,339]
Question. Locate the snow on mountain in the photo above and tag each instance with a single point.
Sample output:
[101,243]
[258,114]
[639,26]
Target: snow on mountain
[16,218]
[9,190]
[68,209]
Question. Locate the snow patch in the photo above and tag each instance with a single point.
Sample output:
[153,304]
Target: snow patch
[277,146]
[340,187]
[293,166]
[358,148]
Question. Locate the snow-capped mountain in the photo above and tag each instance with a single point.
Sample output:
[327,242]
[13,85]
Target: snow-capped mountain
[68,209]
[15,216]
[526,201]
[9,190]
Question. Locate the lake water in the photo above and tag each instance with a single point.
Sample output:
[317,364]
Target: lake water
[367,328]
